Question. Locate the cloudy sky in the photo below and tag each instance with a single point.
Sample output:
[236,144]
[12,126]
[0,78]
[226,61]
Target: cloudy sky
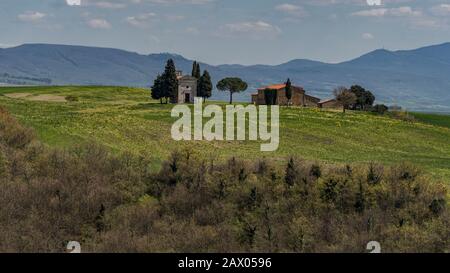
[230,31]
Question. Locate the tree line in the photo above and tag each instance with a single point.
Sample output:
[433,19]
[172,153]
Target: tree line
[358,98]
[165,86]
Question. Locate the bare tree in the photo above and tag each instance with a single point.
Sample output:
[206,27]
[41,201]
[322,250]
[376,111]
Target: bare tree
[345,97]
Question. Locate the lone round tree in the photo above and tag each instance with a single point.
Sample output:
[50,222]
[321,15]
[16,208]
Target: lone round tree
[364,98]
[232,85]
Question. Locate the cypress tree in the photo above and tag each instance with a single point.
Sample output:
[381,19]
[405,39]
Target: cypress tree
[194,69]
[170,81]
[198,71]
[157,89]
[205,86]
[289,91]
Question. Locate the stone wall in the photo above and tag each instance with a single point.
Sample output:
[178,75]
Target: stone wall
[187,88]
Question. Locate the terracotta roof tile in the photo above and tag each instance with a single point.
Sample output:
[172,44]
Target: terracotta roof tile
[276,86]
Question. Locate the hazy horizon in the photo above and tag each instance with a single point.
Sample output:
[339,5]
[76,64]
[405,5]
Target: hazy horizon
[206,62]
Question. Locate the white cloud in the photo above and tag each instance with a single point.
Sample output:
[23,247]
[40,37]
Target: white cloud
[142,20]
[164,2]
[368,36]
[394,12]
[31,16]
[293,10]
[73,2]
[258,26]
[252,29]
[110,5]
[441,10]
[99,24]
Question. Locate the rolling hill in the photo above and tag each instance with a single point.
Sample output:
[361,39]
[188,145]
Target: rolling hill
[126,120]
[416,79]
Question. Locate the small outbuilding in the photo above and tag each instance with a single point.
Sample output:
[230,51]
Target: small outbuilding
[330,103]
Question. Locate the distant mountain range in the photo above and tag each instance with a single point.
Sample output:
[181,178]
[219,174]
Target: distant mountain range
[416,79]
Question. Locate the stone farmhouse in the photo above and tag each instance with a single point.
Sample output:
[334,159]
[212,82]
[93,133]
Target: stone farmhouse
[299,96]
[187,88]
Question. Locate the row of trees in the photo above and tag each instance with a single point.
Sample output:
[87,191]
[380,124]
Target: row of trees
[356,98]
[165,86]
[204,84]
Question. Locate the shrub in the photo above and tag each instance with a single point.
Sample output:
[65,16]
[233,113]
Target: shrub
[402,115]
[72,98]
[380,109]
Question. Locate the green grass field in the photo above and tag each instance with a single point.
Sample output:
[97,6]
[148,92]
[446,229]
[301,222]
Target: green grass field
[434,119]
[125,119]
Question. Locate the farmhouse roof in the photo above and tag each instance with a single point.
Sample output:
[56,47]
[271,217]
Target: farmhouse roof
[328,100]
[276,87]
[309,96]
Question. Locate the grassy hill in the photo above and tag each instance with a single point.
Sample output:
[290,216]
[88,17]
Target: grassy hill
[125,119]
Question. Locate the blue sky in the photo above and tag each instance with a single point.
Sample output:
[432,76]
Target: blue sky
[230,31]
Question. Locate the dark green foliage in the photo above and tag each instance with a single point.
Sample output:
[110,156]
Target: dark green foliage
[364,98]
[205,86]
[380,109]
[434,119]
[158,89]
[194,69]
[170,82]
[289,90]
[232,85]
[198,71]
[270,96]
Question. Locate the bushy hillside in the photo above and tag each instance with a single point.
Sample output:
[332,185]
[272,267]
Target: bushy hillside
[125,119]
[114,203]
